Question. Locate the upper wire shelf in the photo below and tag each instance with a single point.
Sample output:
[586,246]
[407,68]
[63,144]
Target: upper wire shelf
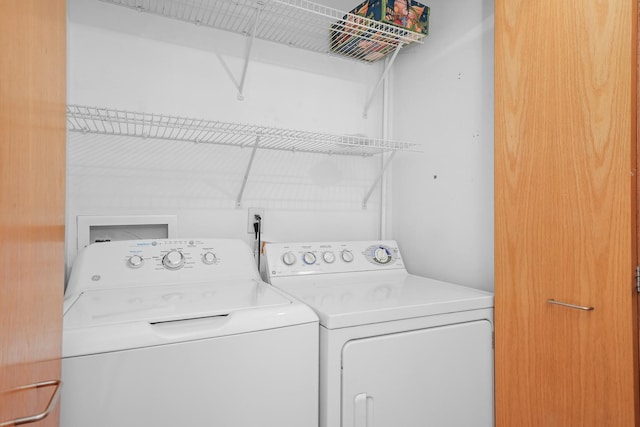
[109,121]
[296,23]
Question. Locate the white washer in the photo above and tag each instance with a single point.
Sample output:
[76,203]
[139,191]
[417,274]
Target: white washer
[184,333]
[395,349]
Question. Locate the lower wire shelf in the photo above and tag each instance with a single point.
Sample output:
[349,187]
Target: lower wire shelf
[109,121]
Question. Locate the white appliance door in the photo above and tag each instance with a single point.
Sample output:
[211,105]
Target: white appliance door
[441,376]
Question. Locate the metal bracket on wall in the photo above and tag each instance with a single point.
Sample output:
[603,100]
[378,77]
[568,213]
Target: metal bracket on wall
[381,79]
[246,173]
[259,8]
[378,178]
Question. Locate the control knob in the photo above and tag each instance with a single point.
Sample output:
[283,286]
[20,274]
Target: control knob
[382,255]
[135,261]
[173,260]
[309,258]
[346,255]
[328,257]
[289,258]
[209,258]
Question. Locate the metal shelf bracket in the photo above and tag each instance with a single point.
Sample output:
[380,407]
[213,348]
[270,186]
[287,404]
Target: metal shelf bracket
[259,8]
[246,173]
[381,79]
[378,178]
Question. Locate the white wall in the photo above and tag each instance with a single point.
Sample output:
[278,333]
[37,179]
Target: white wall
[128,60]
[442,97]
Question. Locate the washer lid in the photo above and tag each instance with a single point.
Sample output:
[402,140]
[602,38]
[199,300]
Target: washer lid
[99,321]
[352,299]
[155,304]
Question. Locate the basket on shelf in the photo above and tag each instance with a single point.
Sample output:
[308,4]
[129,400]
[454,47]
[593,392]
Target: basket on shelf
[357,39]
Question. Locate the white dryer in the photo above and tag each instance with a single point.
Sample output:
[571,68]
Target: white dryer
[184,333]
[395,349]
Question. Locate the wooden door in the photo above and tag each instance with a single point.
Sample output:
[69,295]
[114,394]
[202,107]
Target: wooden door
[565,135]
[32,183]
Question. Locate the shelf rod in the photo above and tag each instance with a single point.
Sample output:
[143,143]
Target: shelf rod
[246,173]
[382,77]
[260,4]
[378,178]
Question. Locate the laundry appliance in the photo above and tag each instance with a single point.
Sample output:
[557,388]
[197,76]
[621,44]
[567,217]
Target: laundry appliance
[182,332]
[395,349]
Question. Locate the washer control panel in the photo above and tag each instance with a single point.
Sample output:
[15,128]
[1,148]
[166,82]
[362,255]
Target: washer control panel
[140,262]
[170,254]
[287,259]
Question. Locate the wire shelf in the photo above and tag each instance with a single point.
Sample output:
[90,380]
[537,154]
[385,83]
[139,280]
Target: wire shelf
[296,23]
[109,121]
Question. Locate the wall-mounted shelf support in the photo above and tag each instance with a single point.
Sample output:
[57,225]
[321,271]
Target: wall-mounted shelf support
[378,178]
[246,173]
[252,36]
[387,68]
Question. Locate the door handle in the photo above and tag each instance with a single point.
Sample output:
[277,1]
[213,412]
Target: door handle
[576,307]
[363,410]
[41,415]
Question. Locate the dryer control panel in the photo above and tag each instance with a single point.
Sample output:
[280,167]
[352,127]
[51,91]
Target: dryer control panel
[290,259]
